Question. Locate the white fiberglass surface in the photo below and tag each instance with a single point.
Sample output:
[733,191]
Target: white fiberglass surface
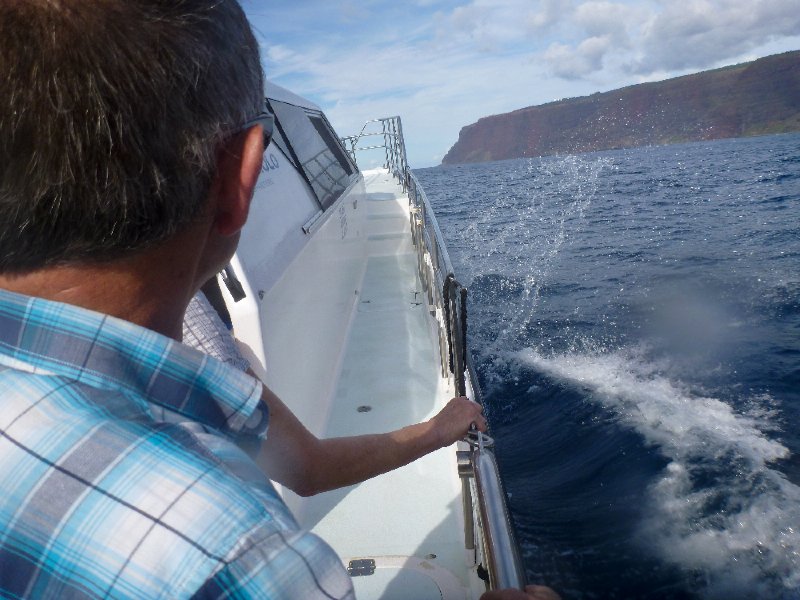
[305,314]
[389,378]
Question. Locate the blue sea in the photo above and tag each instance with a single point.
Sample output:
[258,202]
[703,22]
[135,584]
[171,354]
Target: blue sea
[635,322]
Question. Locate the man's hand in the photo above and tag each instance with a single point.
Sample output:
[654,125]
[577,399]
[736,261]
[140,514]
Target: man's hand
[455,419]
[535,592]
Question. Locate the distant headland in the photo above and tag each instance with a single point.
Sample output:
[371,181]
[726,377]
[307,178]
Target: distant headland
[754,98]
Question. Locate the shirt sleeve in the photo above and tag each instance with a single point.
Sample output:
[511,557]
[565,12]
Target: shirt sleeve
[204,330]
[280,565]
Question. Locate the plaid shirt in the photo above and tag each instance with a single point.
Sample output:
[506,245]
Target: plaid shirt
[119,475]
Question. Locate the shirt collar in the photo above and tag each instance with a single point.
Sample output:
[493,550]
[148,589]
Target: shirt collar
[106,352]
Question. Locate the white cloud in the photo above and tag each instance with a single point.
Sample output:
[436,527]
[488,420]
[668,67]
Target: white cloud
[698,33]
[575,63]
[549,13]
[497,25]
[278,54]
[608,19]
[603,40]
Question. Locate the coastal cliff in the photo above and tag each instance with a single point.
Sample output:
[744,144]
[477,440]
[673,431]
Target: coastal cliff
[755,98]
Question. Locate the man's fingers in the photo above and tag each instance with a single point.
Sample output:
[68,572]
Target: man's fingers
[474,412]
[481,423]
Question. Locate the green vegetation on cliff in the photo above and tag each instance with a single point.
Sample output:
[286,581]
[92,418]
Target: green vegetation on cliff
[755,98]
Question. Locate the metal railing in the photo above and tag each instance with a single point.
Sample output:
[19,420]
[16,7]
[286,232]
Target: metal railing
[390,129]
[488,528]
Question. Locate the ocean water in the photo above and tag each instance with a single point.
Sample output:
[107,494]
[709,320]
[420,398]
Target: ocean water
[635,322]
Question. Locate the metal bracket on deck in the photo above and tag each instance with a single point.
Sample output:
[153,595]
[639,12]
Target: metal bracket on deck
[478,439]
[361,567]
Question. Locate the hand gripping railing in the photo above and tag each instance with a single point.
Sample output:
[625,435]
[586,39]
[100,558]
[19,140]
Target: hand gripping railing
[488,530]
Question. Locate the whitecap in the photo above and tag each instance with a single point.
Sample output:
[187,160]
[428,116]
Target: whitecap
[720,510]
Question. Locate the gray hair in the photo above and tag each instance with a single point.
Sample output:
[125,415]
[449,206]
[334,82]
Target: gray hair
[111,115]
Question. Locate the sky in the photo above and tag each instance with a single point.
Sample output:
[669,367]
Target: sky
[443,64]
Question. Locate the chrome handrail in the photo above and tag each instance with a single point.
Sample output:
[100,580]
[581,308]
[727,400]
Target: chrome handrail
[505,564]
[419,200]
[482,488]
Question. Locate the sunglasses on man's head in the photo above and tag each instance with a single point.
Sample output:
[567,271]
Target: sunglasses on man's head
[267,122]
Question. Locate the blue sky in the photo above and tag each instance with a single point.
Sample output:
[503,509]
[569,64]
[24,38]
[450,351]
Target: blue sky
[443,64]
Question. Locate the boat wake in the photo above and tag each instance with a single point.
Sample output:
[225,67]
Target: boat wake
[720,510]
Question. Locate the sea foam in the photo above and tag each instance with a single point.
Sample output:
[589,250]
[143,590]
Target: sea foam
[720,510]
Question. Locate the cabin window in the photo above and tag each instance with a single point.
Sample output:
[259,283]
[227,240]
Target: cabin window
[308,141]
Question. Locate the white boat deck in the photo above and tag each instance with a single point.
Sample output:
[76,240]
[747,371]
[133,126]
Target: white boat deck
[389,378]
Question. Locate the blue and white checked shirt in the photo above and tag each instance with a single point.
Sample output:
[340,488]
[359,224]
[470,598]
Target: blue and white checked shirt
[118,474]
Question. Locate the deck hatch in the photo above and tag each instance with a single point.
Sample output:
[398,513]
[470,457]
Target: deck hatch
[361,567]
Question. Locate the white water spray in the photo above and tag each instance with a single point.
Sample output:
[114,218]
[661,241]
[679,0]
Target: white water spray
[720,510]
[520,229]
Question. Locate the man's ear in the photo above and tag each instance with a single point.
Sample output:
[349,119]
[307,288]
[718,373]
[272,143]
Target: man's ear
[239,162]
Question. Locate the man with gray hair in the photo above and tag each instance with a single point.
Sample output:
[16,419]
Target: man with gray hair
[126,168]
[131,139]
